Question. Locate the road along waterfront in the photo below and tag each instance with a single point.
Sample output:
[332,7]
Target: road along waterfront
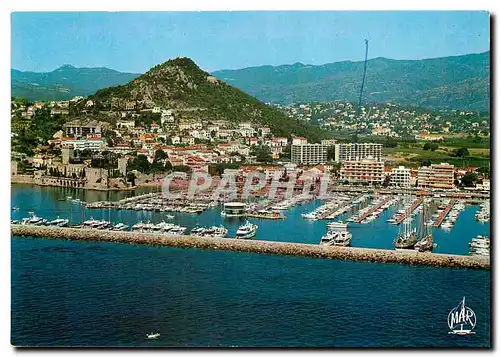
[264,247]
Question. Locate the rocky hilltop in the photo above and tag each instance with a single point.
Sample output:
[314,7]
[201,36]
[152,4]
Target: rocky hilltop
[195,95]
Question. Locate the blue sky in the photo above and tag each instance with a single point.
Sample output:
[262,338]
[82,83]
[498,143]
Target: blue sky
[135,41]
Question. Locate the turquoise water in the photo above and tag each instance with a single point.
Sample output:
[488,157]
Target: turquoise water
[102,294]
[51,202]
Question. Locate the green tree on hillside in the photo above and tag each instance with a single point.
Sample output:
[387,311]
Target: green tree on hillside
[462,152]
[431,146]
[262,153]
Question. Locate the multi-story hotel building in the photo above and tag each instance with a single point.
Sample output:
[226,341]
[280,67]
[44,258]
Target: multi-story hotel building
[358,151]
[309,153]
[78,129]
[400,177]
[363,171]
[436,176]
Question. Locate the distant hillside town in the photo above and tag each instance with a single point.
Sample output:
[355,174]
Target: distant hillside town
[139,146]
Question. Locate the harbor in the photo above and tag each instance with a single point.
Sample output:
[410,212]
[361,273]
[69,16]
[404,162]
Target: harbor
[254,246]
[373,232]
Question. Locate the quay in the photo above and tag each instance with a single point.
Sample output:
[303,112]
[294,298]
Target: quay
[445,212]
[256,246]
[413,207]
[371,210]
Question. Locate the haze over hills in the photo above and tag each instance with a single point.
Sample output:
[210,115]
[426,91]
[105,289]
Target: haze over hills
[193,94]
[458,82]
[65,82]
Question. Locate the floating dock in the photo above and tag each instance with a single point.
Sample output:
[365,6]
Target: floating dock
[445,212]
[413,207]
[371,210]
[257,246]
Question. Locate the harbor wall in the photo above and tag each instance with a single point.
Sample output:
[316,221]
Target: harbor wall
[257,246]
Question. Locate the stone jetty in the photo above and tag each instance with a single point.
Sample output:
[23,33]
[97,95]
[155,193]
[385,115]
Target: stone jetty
[256,246]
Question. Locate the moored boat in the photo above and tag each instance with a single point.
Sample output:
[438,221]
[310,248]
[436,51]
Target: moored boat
[248,230]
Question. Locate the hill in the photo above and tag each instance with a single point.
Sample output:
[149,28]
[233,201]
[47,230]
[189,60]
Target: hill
[64,82]
[196,95]
[459,82]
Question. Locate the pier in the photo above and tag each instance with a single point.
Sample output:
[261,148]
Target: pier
[413,207]
[371,210]
[256,246]
[445,212]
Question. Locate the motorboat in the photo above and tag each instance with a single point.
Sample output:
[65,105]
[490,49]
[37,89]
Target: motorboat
[337,225]
[336,238]
[59,222]
[152,335]
[177,230]
[138,226]
[37,221]
[120,227]
[217,232]
[248,230]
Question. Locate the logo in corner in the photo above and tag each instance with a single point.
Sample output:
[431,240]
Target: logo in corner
[461,319]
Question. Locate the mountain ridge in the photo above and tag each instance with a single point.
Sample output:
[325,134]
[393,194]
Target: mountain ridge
[405,82]
[65,82]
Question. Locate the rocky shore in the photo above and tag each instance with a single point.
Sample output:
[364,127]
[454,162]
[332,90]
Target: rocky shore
[256,246]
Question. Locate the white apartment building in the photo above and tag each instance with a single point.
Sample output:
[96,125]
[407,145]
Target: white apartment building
[299,141]
[329,142]
[363,171]
[309,154]
[436,176]
[94,144]
[358,151]
[401,177]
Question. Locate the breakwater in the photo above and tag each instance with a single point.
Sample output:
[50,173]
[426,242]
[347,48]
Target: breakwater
[256,246]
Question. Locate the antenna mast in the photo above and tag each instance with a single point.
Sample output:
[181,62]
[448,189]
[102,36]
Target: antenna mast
[361,92]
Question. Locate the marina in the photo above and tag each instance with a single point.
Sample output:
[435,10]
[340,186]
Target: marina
[376,232]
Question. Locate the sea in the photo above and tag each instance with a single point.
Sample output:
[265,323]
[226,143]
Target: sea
[68,293]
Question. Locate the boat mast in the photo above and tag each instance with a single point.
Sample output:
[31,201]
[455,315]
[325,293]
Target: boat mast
[422,227]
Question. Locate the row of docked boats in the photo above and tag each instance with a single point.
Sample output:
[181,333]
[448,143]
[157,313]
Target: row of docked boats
[162,227]
[290,203]
[373,213]
[156,204]
[480,246]
[483,214]
[103,224]
[332,209]
[452,216]
[39,221]
[214,231]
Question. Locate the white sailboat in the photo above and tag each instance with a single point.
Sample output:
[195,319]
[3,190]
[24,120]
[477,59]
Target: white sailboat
[407,235]
[426,242]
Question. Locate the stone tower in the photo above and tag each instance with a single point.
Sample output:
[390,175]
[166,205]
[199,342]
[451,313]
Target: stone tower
[122,165]
[67,153]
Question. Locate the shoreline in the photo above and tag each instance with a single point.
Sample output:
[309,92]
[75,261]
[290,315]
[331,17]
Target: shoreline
[18,180]
[256,246]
